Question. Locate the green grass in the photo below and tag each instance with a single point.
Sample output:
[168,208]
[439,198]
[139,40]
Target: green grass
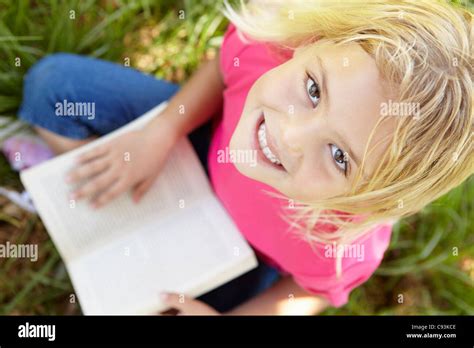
[430,262]
[421,264]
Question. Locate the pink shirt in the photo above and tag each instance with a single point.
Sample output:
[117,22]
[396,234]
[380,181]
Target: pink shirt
[257,215]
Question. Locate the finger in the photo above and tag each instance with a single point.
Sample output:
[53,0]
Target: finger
[95,185]
[142,188]
[112,192]
[186,305]
[87,170]
[178,301]
[98,151]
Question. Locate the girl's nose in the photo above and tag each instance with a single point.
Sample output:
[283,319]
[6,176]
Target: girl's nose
[292,136]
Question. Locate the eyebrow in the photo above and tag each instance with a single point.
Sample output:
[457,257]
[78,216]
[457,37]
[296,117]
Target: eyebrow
[340,139]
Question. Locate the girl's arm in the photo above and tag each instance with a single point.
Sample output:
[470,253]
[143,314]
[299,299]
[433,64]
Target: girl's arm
[198,100]
[285,297]
[195,103]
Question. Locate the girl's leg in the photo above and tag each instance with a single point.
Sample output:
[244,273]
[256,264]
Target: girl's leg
[106,95]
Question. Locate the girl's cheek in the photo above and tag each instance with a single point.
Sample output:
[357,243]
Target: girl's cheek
[313,180]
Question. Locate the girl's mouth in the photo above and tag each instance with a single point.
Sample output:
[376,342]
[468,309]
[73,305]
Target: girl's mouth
[266,147]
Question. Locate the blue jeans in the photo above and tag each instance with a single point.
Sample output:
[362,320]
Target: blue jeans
[120,94]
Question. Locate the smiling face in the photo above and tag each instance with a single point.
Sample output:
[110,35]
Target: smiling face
[309,121]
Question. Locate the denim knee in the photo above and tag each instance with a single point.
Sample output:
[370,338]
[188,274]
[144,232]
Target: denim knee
[46,83]
[47,74]
[119,94]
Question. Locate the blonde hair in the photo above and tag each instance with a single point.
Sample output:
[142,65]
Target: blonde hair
[423,49]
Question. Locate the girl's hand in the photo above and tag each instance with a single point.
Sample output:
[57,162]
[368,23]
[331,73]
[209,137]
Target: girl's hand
[130,161]
[187,306]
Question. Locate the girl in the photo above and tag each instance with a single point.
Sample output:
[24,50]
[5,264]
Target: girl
[360,113]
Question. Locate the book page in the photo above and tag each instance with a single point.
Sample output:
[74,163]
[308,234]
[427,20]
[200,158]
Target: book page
[120,257]
[77,228]
[189,253]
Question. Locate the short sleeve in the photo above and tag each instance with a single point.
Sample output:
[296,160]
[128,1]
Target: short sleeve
[359,262]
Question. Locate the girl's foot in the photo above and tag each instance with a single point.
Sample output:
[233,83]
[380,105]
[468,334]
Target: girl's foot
[25,151]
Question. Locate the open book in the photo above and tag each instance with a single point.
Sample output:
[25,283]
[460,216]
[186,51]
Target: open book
[120,257]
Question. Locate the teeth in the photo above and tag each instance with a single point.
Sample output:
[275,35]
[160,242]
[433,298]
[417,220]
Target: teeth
[262,140]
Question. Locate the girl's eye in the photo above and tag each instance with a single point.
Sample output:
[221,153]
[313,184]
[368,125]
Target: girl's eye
[340,158]
[312,88]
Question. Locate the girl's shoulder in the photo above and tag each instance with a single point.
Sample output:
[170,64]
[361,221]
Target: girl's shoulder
[239,51]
